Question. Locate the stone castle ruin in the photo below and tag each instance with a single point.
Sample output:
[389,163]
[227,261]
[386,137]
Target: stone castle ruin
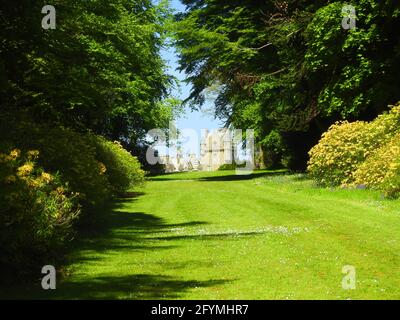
[215,150]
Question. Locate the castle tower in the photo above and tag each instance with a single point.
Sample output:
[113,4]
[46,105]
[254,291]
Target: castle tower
[216,149]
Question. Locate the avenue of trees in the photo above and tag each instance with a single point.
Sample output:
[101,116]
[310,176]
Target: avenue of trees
[77,100]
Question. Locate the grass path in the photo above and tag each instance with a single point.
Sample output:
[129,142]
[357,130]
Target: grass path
[221,236]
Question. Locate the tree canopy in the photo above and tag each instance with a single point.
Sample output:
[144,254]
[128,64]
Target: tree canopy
[288,69]
[99,69]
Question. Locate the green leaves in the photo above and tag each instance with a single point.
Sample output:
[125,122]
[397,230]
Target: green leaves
[103,56]
[348,63]
[293,60]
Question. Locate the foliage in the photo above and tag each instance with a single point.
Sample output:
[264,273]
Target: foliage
[275,149]
[341,149]
[41,196]
[305,234]
[289,66]
[227,166]
[92,166]
[381,170]
[122,170]
[99,69]
[345,146]
[355,71]
[66,92]
[36,211]
[65,151]
[231,166]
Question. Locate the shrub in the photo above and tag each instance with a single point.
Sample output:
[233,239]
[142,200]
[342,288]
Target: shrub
[36,211]
[381,170]
[227,166]
[40,197]
[231,166]
[122,170]
[93,167]
[346,145]
[339,152]
[274,150]
[74,156]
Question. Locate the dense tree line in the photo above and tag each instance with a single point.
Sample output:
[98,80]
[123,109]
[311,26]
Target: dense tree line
[288,69]
[99,69]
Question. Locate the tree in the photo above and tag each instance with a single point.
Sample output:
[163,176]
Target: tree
[100,69]
[288,68]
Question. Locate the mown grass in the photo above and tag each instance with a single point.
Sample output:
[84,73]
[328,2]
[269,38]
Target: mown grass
[220,236]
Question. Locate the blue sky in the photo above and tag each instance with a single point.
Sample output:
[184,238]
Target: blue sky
[195,120]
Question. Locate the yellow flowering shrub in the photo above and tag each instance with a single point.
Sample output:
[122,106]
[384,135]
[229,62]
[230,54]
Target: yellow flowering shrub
[49,174]
[70,153]
[25,170]
[35,217]
[345,146]
[381,170]
[122,170]
[93,167]
[339,152]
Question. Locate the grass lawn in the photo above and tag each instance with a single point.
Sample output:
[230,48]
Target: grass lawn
[220,236]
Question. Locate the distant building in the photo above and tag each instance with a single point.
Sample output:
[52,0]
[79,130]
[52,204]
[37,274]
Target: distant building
[215,150]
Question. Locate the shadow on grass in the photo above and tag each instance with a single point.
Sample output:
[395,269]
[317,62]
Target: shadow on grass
[114,229]
[126,230]
[238,177]
[222,177]
[139,286]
